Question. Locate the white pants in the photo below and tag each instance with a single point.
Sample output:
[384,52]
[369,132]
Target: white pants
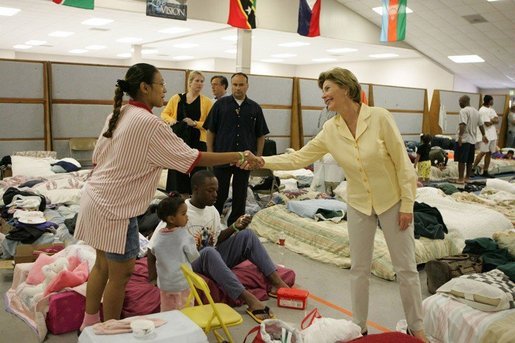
[401,245]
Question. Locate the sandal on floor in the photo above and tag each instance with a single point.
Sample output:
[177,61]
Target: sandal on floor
[265,311]
[272,295]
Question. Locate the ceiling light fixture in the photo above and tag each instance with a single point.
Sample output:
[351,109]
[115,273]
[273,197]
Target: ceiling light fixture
[61,34]
[466,59]
[182,58]
[130,40]
[230,51]
[151,51]
[232,38]
[96,47]
[293,44]
[97,21]
[35,42]
[185,45]
[283,55]
[124,55]
[174,30]
[78,51]
[324,59]
[9,11]
[387,55]
[379,10]
[339,51]
[272,60]
[22,46]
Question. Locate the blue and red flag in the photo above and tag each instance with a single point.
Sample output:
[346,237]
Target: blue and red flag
[394,20]
[309,18]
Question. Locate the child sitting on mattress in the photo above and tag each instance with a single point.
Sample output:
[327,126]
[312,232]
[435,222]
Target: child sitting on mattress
[169,247]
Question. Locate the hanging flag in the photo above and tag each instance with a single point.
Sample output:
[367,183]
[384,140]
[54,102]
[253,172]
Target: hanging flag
[242,14]
[309,18]
[394,20]
[86,4]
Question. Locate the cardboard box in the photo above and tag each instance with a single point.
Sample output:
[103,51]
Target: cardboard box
[292,298]
[26,253]
[4,227]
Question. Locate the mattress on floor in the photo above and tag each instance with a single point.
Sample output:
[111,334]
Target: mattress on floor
[497,166]
[328,242]
[448,320]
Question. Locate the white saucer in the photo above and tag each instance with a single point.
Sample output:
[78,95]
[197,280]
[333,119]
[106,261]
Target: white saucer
[32,220]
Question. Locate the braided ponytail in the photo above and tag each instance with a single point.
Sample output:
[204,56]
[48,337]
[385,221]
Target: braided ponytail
[141,72]
[118,96]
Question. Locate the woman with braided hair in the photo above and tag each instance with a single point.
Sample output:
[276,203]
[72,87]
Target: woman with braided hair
[133,148]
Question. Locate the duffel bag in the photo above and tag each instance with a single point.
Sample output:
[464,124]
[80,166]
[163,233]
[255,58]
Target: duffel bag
[443,269]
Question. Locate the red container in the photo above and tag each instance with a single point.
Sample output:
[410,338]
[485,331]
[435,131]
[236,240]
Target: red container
[292,298]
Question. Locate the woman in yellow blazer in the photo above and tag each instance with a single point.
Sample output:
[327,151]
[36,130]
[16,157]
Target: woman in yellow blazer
[189,109]
[381,186]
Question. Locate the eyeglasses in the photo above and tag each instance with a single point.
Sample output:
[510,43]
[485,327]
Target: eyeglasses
[163,84]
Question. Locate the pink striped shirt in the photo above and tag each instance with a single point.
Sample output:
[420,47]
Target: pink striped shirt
[127,171]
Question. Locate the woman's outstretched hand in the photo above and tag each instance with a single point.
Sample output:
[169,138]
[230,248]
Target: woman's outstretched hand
[251,161]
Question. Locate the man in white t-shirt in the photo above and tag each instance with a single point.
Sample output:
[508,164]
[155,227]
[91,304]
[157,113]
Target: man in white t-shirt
[490,119]
[222,249]
[469,121]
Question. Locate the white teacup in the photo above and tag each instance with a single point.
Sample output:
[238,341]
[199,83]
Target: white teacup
[142,327]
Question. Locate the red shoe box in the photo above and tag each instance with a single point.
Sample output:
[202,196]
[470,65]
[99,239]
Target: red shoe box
[292,298]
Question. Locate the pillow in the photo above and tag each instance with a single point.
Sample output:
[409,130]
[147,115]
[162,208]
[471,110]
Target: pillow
[492,291]
[30,166]
[36,276]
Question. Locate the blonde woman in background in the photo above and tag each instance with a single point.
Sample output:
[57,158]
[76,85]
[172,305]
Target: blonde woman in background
[186,112]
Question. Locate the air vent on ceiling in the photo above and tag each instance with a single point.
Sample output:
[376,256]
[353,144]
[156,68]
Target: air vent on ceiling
[164,55]
[100,29]
[47,46]
[475,19]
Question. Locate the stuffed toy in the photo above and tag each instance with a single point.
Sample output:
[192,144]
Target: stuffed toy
[32,294]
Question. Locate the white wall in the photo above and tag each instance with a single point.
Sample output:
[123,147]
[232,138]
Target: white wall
[498,91]
[463,85]
[413,72]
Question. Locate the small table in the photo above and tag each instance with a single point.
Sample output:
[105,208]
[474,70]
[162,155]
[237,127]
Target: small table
[178,329]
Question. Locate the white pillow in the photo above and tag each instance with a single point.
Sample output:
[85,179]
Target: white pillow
[480,294]
[30,166]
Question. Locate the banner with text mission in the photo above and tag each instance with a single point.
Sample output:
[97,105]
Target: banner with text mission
[172,9]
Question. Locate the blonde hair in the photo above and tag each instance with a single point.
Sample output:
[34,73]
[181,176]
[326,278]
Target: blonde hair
[345,79]
[193,74]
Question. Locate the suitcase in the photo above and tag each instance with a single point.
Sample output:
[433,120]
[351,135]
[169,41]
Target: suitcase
[443,269]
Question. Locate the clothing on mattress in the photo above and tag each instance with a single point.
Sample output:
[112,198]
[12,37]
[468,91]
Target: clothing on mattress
[489,251]
[309,208]
[428,222]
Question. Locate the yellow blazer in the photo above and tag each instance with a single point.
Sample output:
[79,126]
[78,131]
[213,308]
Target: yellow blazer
[170,113]
[377,167]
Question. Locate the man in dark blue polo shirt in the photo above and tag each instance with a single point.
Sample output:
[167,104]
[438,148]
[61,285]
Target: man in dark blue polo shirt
[235,123]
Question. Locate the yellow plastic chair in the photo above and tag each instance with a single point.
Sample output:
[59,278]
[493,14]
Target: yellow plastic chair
[211,316]
[82,149]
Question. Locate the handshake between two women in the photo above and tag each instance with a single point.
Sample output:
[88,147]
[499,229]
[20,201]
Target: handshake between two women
[250,161]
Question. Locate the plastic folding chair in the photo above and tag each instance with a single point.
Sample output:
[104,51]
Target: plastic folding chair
[210,316]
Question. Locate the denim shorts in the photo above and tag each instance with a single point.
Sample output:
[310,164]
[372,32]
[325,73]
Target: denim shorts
[131,244]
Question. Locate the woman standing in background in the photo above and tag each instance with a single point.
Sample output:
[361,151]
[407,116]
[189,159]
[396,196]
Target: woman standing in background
[189,111]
